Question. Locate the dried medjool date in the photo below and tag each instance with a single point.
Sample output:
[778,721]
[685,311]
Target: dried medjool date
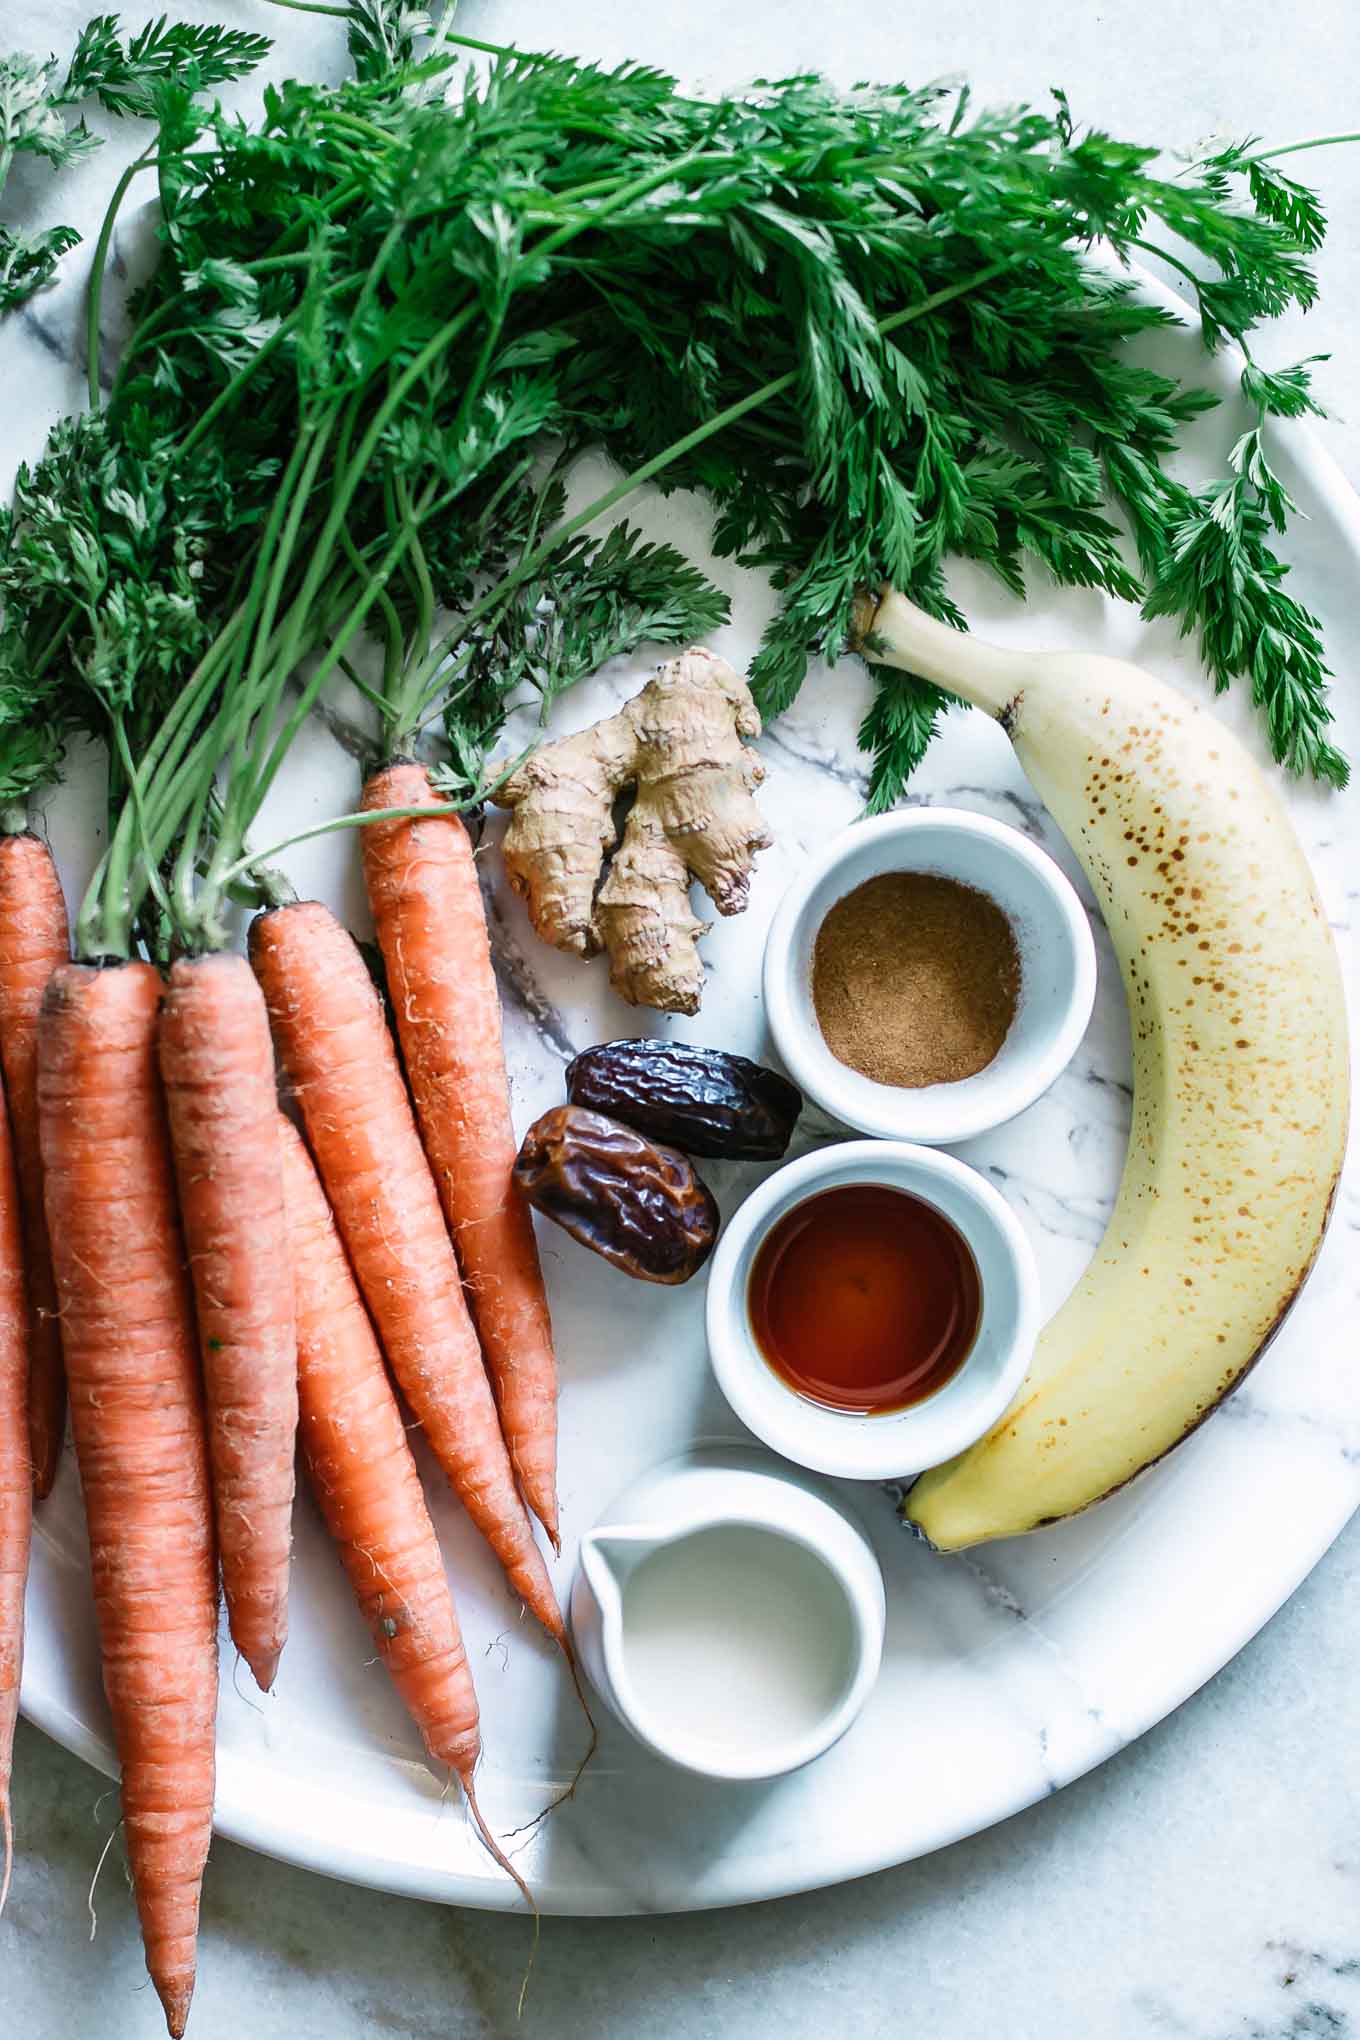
[699,1099]
[642,1206]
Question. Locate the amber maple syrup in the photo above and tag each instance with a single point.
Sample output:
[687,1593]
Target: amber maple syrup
[864,1299]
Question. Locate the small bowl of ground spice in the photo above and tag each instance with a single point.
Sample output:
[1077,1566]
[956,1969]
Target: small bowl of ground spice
[929,975]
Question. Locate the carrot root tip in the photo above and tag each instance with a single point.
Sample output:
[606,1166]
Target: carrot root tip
[264,1669]
[574,1668]
[494,1849]
[175,1999]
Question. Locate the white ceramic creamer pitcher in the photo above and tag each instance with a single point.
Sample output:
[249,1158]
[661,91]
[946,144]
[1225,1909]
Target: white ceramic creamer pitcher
[730,1614]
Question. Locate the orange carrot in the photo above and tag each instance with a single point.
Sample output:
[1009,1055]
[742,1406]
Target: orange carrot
[16,1477]
[33,940]
[427,910]
[217,1065]
[136,1412]
[335,1047]
[361,1471]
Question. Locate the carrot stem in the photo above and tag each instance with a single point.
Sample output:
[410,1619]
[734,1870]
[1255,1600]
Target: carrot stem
[95,291]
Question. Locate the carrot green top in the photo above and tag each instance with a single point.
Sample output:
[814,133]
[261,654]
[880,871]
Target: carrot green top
[387,317]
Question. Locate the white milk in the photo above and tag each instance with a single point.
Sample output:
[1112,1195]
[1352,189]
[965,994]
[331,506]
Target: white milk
[736,1635]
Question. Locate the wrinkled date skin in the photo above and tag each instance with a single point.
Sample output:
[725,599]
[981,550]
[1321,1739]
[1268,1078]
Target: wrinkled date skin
[640,1205]
[699,1099]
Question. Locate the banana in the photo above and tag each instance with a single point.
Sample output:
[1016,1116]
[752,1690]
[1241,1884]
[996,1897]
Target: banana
[1240,1075]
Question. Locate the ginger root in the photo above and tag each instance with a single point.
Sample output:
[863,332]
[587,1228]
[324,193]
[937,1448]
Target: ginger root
[680,743]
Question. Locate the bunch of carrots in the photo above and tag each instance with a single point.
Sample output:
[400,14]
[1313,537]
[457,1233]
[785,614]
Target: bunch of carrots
[373,467]
[183,573]
[214,1286]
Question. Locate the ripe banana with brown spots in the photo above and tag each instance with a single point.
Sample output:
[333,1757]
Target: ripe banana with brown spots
[1241,1075]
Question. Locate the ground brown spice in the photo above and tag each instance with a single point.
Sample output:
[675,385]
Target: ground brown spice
[915,979]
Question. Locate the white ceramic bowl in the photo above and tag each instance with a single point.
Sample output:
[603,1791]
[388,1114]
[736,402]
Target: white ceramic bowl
[1057,957]
[901,1442]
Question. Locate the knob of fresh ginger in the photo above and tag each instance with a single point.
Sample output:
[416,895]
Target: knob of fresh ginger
[682,743]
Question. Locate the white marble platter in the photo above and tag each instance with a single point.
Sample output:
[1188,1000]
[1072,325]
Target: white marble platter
[1006,1673]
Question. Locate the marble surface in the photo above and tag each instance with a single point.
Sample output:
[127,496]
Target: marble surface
[1202,1883]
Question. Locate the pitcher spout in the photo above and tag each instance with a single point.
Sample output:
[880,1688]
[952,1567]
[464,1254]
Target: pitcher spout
[610,1557]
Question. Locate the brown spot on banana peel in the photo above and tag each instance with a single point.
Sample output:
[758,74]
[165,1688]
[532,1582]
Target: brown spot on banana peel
[1010,714]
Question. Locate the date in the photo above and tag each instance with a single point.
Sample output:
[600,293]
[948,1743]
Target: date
[700,1099]
[639,1204]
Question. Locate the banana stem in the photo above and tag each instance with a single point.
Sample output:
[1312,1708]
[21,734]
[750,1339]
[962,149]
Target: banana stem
[895,632]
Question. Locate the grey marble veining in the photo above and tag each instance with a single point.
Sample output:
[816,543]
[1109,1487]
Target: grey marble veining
[1205,1881]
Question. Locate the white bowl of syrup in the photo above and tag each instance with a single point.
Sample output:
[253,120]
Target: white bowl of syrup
[872,1309]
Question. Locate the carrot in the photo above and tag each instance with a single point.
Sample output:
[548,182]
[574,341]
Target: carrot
[365,1480]
[217,1066]
[16,1477]
[335,1047]
[34,939]
[136,1412]
[360,1469]
[427,910]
